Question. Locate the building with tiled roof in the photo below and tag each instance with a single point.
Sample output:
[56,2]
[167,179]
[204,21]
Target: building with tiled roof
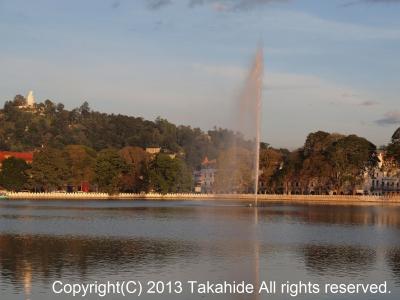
[26,156]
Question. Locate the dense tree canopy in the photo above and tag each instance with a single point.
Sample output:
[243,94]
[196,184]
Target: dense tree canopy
[50,124]
[13,175]
[136,179]
[109,170]
[49,170]
[271,161]
[108,150]
[394,147]
[350,157]
[327,162]
[80,162]
[169,175]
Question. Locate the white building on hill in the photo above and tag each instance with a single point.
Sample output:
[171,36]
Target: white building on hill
[30,99]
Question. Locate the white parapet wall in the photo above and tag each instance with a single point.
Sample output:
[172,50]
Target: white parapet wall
[193,196]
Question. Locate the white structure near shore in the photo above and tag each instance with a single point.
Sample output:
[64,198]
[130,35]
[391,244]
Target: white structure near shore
[326,199]
[204,178]
[384,179]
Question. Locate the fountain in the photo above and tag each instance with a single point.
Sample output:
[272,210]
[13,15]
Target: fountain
[238,168]
[250,111]
[257,74]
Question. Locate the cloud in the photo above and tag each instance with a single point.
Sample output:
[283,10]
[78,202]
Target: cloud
[115,4]
[157,4]
[351,98]
[247,4]
[229,72]
[306,86]
[311,24]
[381,1]
[218,5]
[304,101]
[371,2]
[390,118]
[237,5]
[368,103]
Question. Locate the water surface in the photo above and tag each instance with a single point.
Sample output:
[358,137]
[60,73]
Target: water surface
[87,241]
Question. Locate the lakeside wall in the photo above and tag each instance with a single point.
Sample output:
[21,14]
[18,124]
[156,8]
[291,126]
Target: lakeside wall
[193,196]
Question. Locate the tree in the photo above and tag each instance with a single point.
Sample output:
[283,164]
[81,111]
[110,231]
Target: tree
[270,162]
[288,174]
[318,142]
[60,107]
[81,162]
[109,171]
[49,108]
[315,173]
[168,134]
[137,160]
[351,156]
[84,109]
[50,169]
[50,124]
[393,148]
[169,175]
[19,100]
[13,175]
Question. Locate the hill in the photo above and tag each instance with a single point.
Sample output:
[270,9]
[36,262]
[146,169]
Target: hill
[24,128]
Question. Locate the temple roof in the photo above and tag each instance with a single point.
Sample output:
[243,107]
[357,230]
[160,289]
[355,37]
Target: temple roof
[207,162]
[26,156]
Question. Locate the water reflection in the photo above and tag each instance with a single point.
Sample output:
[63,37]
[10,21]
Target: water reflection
[46,257]
[44,241]
[393,260]
[338,259]
[336,214]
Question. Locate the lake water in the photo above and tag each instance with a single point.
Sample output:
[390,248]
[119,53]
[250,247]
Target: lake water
[99,241]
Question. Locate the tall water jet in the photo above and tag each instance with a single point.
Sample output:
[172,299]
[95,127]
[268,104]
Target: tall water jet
[250,111]
[238,163]
[258,73]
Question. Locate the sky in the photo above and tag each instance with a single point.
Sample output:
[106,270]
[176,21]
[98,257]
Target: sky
[328,65]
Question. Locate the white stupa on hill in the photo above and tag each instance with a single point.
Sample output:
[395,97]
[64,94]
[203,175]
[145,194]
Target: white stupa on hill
[30,99]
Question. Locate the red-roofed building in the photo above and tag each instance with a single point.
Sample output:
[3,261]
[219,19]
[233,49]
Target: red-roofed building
[206,163]
[26,156]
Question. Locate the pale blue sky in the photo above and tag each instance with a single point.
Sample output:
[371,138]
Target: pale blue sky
[330,65]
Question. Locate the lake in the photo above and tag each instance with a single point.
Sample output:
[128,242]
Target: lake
[99,241]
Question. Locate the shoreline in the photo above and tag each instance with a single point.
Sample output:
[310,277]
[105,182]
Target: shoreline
[262,198]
